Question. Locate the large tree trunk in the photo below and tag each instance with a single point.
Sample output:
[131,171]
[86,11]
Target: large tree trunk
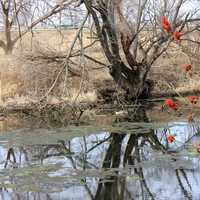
[130,76]
[7,47]
[8,44]
[132,81]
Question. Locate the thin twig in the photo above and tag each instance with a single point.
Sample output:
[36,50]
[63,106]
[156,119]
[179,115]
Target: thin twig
[65,62]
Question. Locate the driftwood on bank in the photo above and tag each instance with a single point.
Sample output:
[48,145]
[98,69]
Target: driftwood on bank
[59,114]
[107,98]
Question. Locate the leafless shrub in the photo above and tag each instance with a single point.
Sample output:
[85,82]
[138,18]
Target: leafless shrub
[40,69]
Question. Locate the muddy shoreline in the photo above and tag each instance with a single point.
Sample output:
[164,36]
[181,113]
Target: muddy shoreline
[66,113]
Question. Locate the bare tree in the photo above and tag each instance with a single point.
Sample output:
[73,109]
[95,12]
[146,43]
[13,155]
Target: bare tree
[25,15]
[132,36]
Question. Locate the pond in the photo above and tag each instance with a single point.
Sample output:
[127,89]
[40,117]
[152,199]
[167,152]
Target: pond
[121,161]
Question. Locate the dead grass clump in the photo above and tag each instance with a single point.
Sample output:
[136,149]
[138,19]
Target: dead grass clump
[38,60]
[46,73]
[11,81]
[191,85]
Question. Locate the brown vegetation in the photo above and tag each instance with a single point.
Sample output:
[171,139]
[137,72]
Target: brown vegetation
[30,71]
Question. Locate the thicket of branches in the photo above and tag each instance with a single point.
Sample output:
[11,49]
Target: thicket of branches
[18,17]
[130,32]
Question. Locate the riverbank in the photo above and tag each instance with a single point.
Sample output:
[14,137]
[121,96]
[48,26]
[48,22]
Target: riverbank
[62,114]
[30,80]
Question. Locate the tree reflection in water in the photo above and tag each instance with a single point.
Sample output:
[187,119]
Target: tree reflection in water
[118,166]
[115,188]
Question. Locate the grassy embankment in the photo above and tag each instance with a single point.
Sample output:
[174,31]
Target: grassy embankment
[24,80]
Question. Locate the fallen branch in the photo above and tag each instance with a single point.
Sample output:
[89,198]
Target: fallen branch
[65,63]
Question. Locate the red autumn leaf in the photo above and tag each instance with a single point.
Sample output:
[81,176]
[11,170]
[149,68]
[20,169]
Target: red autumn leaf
[177,35]
[193,99]
[171,138]
[171,104]
[187,67]
[165,24]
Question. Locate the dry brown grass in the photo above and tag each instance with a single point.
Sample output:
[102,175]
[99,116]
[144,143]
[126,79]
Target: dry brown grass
[23,78]
[168,70]
[24,81]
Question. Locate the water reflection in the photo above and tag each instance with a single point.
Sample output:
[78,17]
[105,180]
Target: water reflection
[105,165]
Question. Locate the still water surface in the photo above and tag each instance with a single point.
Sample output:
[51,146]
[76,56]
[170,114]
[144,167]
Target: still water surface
[120,162]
